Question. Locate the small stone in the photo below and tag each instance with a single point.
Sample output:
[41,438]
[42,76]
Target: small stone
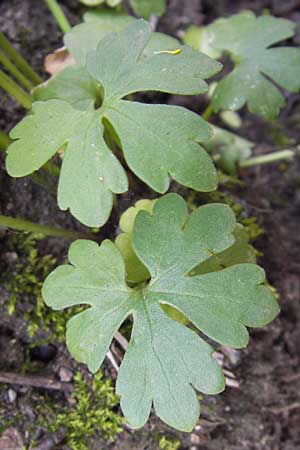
[12,395]
[11,440]
[195,439]
[65,374]
[10,257]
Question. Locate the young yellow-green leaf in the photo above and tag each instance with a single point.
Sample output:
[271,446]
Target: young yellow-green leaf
[239,253]
[136,272]
[147,8]
[257,65]
[165,360]
[158,141]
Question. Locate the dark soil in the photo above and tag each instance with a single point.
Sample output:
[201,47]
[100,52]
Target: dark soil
[264,413]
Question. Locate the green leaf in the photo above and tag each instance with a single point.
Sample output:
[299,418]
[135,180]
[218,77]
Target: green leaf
[239,253]
[85,37]
[136,272]
[74,85]
[257,65]
[85,184]
[165,360]
[120,54]
[158,141]
[164,132]
[147,8]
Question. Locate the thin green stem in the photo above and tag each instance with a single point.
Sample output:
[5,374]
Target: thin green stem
[59,15]
[208,112]
[15,71]
[20,224]
[12,88]
[52,169]
[267,159]
[4,140]
[19,61]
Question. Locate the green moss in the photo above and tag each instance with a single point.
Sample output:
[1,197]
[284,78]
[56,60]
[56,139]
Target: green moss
[166,443]
[94,413]
[24,281]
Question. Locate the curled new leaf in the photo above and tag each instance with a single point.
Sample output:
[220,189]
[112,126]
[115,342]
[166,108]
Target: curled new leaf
[165,361]
[158,141]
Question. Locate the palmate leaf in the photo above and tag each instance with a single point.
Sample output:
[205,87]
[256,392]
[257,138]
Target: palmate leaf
[136,272]
[165,360]
[257,65]
[158,141]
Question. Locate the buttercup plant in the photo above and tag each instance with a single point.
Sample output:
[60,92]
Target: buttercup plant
[257,65]
[167,269]
[165,360]
[157,140]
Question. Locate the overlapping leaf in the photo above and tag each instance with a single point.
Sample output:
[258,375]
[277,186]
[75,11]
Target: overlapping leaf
[147,8]
[158,141]
[257,65]
[165,360]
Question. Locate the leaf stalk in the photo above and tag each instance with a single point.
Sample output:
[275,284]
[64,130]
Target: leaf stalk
[20,224]
[15,72]
[267,159]
[59,15]
[12,88]
[208,112]
[19,61]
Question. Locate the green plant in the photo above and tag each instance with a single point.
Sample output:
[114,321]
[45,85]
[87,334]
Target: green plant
[169,356]
[257,65]
[168,272]
[93,414]
[142,8]
[168,444]
[86,185]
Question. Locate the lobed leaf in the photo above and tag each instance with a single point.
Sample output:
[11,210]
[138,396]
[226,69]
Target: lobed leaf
[258,67]
[82,106]
[165,360]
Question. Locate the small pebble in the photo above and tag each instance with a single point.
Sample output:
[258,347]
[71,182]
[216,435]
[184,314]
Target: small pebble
[65,374]
[12,395]
[195,439]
